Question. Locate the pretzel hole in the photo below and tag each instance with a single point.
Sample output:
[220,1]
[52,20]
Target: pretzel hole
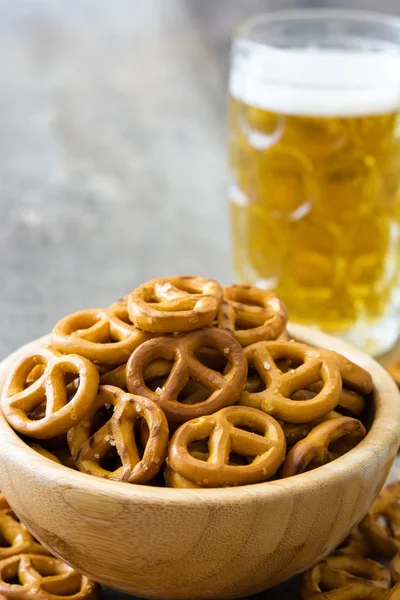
[34,375]
[111,460]
[10,573]
[39,412]
[101,416]
[212,358]
[254,382]
[199,449]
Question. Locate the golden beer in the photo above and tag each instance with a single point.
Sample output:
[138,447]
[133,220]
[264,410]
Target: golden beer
[315,194]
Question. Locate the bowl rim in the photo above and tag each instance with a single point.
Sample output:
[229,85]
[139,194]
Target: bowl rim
[384,432]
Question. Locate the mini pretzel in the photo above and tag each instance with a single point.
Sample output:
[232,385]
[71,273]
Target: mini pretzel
[61,456]
[98,334]
[294,432]
[346,578]
[353,376]
[276,398]
[356,544]
[44,578]
[384,537]
[44,452]
[175,480]
[224,388]
[175,304]
[61,412]
[88,450]
[252,314]
[15,538]
[350,401]
[225,436]
[315,447]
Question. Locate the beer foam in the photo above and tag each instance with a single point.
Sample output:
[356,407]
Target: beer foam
[316,81]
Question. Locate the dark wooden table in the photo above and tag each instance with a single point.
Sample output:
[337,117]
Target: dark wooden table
[112,151]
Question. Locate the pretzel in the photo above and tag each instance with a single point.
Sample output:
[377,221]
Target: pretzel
[15,538]
[44,578]
[252,314]
[294,432]
[394,593]
[356,544]
[350,401]
[314,449]
[61,413]
[276,398]
[224,388]
[174,304]
[353,376]
[44,452]
[346,578]
[175,480]
[384,537]
[89,449]
[223,429]
[98,334]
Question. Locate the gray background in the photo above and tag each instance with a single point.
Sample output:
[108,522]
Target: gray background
[112,150]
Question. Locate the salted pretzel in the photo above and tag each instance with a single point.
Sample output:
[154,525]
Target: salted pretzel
[279,386]
[345,578]
[265,443]
[171,304]
[353,376]
[294,432]
[44,578]
[252,314]
[98,334]
[223,389]
[117,433]
[384,536]
[15,538]
[61,412]
[316,448]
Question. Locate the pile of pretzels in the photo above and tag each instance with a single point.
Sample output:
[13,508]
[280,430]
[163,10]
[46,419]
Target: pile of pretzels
[186,384]
[29,572]
[349,573]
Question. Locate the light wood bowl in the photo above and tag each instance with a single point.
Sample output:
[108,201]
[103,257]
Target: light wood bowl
[210,543]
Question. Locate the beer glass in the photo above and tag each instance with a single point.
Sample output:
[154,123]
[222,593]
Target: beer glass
[314,168]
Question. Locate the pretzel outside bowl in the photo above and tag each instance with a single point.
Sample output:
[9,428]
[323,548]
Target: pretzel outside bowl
[44,578]
[173,304]
[384,536]
[61,412]
[345,578]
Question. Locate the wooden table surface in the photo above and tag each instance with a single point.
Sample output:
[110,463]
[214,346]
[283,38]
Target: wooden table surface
[112,151]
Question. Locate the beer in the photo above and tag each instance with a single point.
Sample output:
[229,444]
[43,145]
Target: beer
[314,155]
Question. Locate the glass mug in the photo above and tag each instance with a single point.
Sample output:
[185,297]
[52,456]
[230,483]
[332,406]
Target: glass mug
[314,160]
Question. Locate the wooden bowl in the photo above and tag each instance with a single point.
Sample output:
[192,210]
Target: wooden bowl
[210,543]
